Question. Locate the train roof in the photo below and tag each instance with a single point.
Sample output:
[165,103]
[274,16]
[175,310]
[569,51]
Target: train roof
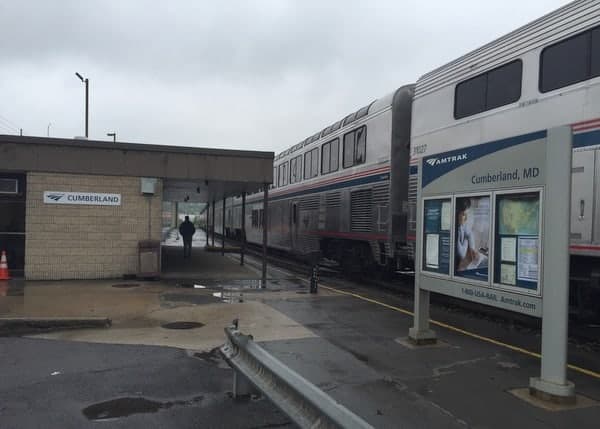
[374,106]
[561,23]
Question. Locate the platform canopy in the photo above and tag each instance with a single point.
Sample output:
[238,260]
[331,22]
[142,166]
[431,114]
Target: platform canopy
[200,174]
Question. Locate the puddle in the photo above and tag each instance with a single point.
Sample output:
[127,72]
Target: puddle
[126,285]
[189,298]
[182,325]
[124,407]
[229,296]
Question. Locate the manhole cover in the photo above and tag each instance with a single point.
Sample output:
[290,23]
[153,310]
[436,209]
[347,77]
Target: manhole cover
[125,285]
[183,325]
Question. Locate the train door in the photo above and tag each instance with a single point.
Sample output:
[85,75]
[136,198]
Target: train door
[12,221]
[582,196]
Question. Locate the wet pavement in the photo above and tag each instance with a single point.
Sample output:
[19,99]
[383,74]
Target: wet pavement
[354,349]
[62,384]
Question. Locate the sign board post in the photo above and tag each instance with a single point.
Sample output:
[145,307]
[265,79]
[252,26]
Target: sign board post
[484,217]
[420,333]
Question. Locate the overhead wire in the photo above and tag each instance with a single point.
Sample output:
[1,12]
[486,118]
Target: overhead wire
[9,125]
[4,127]
[9,122]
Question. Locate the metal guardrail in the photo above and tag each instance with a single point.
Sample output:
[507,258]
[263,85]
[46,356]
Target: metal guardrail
[304,403]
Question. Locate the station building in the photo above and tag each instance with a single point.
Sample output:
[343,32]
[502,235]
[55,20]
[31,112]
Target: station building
[79,209]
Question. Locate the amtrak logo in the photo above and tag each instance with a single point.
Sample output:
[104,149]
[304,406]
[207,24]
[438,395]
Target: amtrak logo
[55,197]
[446,160]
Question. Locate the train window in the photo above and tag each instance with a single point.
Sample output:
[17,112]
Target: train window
[495,88]
[314,168]
[348,160]
[504,85]
[596,52]
[565,63]
[296,169]
[311,163]
[361,146]
[355,147]
[362,112]
[335,155]
[325,152]
[307,157]
[283,174]
[330,156]
[470,97]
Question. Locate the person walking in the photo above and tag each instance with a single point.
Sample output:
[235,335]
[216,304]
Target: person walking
[187,231]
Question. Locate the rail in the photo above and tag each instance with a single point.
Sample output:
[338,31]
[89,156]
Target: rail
[304,403]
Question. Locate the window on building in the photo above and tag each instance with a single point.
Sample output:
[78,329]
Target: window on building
[296,169]
[311,163]
[330,153]
[282,176]
[570,61]
[355,147]
[495,88]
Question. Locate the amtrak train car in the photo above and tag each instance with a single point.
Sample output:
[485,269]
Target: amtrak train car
[342,192]
[543,75]
[349,191]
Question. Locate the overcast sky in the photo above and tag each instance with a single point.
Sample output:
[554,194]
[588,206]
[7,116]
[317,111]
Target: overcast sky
[257,75]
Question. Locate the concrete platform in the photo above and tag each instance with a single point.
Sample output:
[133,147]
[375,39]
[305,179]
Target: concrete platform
[349,346]
[204,264]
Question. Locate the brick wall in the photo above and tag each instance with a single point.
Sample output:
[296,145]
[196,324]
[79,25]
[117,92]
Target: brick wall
[87,242]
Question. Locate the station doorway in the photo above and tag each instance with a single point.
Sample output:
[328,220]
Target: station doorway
[12,221]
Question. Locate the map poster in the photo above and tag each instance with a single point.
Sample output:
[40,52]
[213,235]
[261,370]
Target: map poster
[519,214]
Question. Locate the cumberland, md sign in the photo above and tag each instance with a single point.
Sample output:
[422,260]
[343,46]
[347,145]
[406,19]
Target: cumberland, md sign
[82,198]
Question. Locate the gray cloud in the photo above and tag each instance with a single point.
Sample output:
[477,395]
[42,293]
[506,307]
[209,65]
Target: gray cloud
[240,74]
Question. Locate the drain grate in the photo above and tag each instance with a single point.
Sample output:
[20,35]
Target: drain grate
[183,325]
[125,285]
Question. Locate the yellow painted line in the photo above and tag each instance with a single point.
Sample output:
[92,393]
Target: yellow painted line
[460,331]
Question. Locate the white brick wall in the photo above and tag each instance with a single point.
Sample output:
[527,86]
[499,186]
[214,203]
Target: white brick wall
[87,242]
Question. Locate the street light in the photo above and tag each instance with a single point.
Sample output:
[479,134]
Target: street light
[48,129]
[87,86]
[113,135]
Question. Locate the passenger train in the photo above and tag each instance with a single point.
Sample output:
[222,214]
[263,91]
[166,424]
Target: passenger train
[349,190]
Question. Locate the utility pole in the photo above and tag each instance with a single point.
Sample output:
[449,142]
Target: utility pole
[87,104]
[47,129]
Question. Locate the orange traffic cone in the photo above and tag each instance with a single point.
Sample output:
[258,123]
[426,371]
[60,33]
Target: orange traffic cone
[4,275]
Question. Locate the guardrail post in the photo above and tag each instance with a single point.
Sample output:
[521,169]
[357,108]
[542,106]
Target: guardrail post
[241,385]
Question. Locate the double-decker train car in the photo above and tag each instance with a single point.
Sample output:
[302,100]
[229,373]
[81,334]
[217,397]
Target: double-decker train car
[543,75]
[349,191]
[342,192]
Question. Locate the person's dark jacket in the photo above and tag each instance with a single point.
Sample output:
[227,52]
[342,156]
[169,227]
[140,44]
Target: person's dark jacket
[187,230]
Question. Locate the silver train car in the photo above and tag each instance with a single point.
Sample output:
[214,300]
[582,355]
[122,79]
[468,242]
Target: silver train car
[342,193]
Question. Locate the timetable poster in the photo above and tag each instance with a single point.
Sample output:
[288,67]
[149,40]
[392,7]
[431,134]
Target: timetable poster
[436,235]
[517,240]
